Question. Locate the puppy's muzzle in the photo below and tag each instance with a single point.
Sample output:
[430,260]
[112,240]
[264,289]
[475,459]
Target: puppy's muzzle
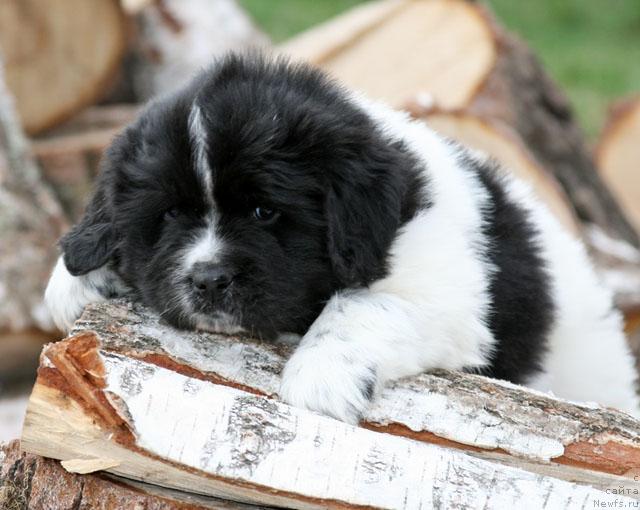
[210,281]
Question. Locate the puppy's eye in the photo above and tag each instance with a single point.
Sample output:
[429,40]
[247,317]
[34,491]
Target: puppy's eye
[171,214]
[264,214]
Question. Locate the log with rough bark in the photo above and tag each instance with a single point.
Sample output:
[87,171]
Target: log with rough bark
[618,156]
[33,482]
[60,56]
[31,221]
[456,54]
[199,412]
[69,155]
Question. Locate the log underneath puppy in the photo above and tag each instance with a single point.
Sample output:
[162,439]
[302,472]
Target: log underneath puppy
[267,199]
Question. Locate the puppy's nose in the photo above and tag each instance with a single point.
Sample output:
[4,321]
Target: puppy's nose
[210,278]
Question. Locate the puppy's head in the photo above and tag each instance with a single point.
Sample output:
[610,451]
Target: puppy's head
[246,200]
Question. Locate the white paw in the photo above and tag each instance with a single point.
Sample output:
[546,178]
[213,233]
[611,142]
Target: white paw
[330,381]
[67,295]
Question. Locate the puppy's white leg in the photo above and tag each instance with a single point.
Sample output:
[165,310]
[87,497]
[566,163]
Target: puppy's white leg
[67,295]
[363,339]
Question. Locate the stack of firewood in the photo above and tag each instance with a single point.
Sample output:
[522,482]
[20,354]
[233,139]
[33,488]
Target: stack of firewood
[199,413]
[136,400]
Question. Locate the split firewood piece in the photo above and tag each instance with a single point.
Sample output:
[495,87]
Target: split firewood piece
[174,429]
[455,53]
[408,46]
[60,56]
[128,388]
[502,143]
[618,156]
[70,154]
[31,481]
[85,466]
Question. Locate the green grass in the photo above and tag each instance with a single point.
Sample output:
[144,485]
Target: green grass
[283,18]
[591,47]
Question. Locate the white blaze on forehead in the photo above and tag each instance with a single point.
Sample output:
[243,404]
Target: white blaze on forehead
[198,136]
[206,247]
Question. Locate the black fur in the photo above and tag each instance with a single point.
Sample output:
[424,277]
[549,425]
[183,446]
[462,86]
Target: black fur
[280,137]
[286,139]
[522,311]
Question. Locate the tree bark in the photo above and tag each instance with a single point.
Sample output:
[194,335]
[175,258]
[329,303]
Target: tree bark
[31,221]
[33,482]
[199,412]
[454,53]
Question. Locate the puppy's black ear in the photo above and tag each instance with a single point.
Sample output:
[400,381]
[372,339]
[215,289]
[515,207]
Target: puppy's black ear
[91,243]
[362,219]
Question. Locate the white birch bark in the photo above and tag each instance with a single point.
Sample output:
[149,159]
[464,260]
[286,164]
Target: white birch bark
[254,449]
[160,406]
[464,408]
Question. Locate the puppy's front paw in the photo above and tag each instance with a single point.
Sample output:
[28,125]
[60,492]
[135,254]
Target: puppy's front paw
[328,382]
[67,295]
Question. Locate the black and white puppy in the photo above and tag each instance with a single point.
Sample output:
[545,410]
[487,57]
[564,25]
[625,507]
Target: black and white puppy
[264,198]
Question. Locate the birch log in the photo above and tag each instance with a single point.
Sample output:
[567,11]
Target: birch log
[197,412]
[32,482]
[31,220]
[454,53]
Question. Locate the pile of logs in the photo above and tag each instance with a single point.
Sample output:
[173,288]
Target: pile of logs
[195,413]
[199,412]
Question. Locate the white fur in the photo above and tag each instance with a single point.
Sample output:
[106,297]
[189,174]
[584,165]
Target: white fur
[219,323]
[588,358]
[206,248]
[198,134]
[430,311]
[67,295]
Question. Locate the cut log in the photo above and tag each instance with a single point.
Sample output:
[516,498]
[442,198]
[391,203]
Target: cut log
[31,221]
[197,412]
[177,38]
[60,56]
[30,481]
[502,143]
[455,53]
[406,47]
[69,155]
[618,156]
